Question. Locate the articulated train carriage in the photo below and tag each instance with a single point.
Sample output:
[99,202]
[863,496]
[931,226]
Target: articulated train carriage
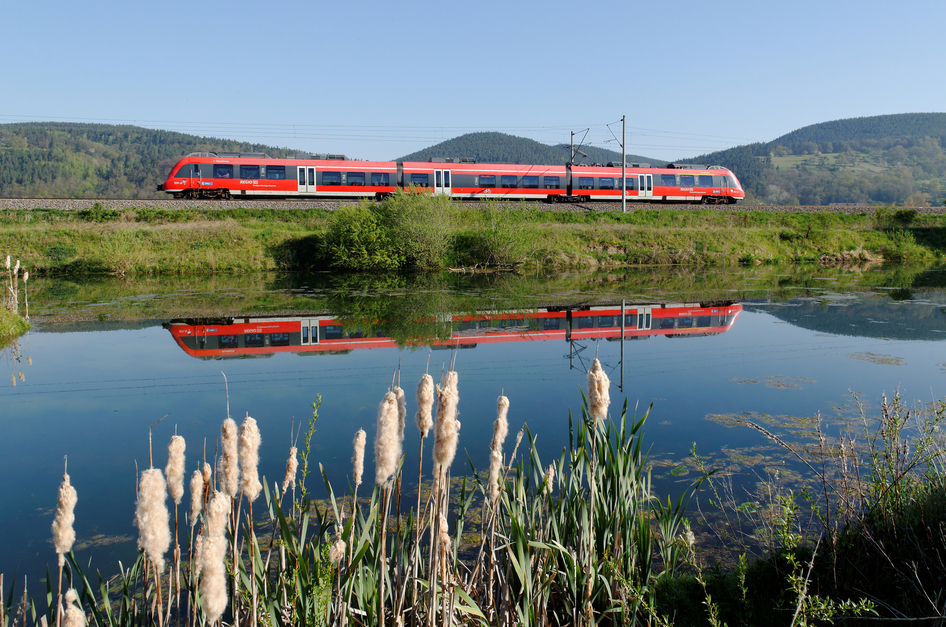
[256,175]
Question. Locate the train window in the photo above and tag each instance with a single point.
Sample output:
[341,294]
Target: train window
[586,182]
[726,182]
[606,183]
[551,182]
[279,339]
[437,178]
[606,322]
[420,180]
[331,178]
[356,178]
[585,322]
[669,180]
[276,172]
[487,180]
[631,182]
[196,171]
[301,176]
[550,324]
[249,171]
[706,180]
[379,179]
[508,181]
[703,321]
[223,171]
[446,179]
[530,182]
[311,176]
[229,341]
[254,340]
[686,180]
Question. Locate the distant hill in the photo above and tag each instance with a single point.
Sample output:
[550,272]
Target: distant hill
[503,148]
[879,160]
[66,160]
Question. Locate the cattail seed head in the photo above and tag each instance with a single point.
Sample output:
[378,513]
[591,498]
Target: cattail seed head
[26,276]
[401,412]
[74,616]
[250,441]
[337,552]
[500,429]
[358,459]
[229,460]
[63,534]
[447,427]
[599,396]
[175,468]
[444,533]
[154,531]
[549,484]
[292,465]
[218,511]
[387,447]
[425,403]
[8,262]
[197,495]
[213,583]
[16,269]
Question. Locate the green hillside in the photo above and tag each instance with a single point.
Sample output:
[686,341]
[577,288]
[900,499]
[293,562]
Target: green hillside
[882,160]
[503,148]
[66,160]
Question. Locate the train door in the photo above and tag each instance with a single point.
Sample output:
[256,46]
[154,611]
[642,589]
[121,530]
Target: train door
[643,314]
[310,331]
[306,179]
[645,185]
[442,183]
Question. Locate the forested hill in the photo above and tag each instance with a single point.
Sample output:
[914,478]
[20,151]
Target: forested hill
[881,160]
[66,160]
[503,148]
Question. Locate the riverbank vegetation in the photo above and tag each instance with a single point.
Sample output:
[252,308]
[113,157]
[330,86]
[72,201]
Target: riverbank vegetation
[581,540]
[417,232]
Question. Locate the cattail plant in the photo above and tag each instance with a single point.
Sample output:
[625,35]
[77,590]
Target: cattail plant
[292,467]
[153,520]
[229,465]
[249,462]
[75,617]
[500,429]
[175,478]
[446,434]
[63,533]
[213,552]
[599,398]
[387,452]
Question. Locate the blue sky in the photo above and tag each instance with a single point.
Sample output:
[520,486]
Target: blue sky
[378,80]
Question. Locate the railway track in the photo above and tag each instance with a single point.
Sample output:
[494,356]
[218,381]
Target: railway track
[72,204]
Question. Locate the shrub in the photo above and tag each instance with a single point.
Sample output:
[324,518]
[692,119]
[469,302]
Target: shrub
[499,236]
[357,239]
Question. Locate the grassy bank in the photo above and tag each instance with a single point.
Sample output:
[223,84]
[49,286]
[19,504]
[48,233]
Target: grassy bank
[412,232]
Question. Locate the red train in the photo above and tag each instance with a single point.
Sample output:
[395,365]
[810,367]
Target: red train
[256,175]
[243,337]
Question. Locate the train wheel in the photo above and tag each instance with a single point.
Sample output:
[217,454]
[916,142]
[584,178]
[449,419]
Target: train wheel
[705,200]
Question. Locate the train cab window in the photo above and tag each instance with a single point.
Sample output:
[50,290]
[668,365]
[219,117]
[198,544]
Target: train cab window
[551,182]
[668,180]
[687,180]
[421,180]
[606,183]
[706,180]
[356,178]
[487,180]
[508,182]
[530,182]
[379,179]
[331,178]
[223,171]
[229,341]
[276,172]
[586,182]
[249,171]
[727,182]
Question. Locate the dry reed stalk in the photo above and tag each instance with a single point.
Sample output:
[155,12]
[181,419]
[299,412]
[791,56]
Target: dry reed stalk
[64,535]
[154,532]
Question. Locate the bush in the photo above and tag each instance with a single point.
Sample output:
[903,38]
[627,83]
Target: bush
[358,240]
[499,236]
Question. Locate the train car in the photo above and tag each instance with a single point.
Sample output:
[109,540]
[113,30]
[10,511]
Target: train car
[256,175]
[262,337]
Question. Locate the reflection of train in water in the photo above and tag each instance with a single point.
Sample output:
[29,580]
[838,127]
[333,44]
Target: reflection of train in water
[248,337]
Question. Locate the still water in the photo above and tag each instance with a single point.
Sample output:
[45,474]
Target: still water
[111,358]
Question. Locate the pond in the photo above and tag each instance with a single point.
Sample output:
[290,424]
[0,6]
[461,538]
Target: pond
[109,359]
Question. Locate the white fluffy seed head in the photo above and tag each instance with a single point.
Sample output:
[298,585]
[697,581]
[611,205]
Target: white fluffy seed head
[599,396]
[213,583]
[175,468]
[197,495]
[447,427]
[229,459]
[401,412]
[250,441]
[292,466]
[74,616]
[337,552]
[444,534]
[500,430]
[387,447]
[549,484]
[63,533]
[154,531]
[358,459]
[425,403]
[218,511]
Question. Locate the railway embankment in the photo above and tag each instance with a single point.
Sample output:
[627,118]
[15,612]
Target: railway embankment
[410,232]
